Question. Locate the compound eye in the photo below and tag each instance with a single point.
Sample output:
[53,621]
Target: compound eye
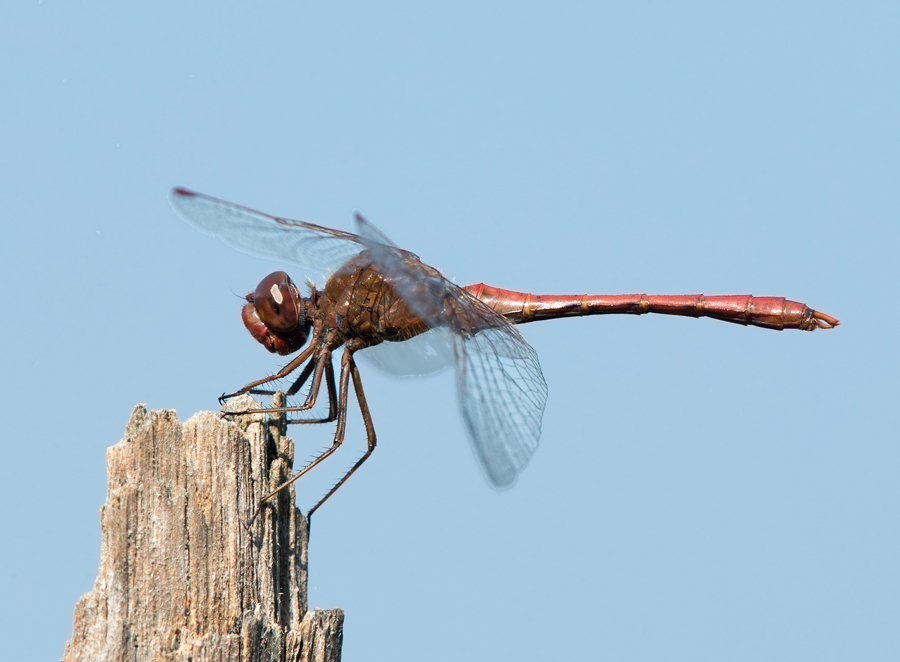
[276,302]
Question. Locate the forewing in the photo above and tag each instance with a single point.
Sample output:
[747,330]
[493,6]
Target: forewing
[502,394]
[367,231]
[317,249]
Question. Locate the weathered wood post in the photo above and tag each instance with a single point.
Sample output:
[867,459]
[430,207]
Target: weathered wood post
[182,577]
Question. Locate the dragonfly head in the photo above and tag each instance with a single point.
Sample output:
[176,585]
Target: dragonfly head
[276,315]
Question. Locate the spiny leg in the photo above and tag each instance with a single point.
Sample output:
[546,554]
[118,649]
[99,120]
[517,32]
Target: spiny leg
[367,421]
[301,358]
[338,433]
[295,387]
[310,402]
[322,365]
[332,400]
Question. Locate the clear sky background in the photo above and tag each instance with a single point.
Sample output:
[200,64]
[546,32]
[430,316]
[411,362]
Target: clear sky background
[702,491]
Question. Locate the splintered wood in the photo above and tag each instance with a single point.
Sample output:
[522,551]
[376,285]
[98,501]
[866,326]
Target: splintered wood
[182,577]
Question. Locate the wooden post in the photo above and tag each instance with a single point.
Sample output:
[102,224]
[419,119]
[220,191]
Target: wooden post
[182,577]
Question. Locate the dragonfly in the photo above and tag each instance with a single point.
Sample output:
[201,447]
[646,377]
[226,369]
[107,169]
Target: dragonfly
[379,297]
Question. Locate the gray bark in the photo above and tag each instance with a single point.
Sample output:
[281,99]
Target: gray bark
[182,576]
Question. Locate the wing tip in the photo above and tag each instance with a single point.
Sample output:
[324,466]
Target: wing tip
[501,484]
[181,192]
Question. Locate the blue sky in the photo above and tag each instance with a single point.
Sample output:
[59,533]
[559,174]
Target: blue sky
[702,490]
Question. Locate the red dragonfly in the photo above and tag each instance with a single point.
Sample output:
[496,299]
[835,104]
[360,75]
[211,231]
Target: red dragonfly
[380,296]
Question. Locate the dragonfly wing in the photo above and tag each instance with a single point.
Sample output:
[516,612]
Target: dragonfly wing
[365,229]
[317,249]
[501,388]
[422,355]
[404,269]
[502,394]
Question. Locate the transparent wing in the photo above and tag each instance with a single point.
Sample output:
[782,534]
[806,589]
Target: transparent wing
[422,355]
[502,391]
[317,249]
[502,394]
[367,230]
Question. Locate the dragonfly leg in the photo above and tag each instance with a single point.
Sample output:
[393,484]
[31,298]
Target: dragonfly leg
[367,421]
[321,365]
[346,361]
[295,387]
[332,400]
[300,359]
